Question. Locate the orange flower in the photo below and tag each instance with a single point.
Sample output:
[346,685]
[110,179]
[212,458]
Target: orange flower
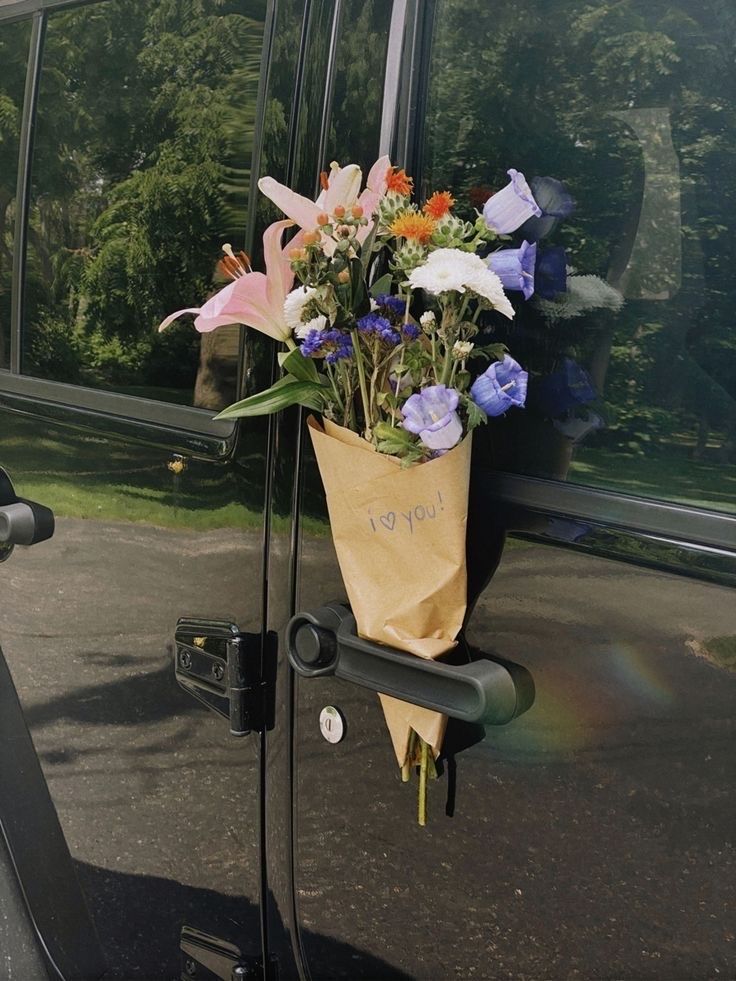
[413,225]
[439,204]
[397,180]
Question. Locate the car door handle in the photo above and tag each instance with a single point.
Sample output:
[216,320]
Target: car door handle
[22,522]
[486,690]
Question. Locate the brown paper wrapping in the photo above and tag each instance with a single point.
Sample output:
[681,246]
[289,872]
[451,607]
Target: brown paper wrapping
[399,534]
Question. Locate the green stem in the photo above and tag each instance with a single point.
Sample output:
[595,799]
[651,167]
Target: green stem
[408,762]
[333,382]
[422,801]
[361,380]
[289,341]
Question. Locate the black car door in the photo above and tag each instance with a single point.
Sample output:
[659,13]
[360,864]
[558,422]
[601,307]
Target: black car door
[128,132]
[592,836]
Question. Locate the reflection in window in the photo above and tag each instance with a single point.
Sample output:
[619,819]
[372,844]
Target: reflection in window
[633,105]
[14,40]
[141,169]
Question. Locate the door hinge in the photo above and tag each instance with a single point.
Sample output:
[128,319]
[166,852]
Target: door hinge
[207,958]
[221,667]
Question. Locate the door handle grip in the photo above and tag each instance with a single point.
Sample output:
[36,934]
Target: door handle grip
[326,642]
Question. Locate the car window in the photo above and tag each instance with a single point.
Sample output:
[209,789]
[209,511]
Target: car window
[141,169]
[633,106]
[13,58]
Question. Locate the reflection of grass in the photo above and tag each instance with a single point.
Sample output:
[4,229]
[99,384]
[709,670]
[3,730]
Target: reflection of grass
[669,476]
[721,651]
[84,475]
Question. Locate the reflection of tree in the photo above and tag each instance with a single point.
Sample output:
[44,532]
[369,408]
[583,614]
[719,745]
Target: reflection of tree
[13,53]
[141,170]
[551,88]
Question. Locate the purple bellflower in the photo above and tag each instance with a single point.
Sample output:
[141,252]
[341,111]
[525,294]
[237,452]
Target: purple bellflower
[551,273]
[555,203]
[501,386]
[510,207]
[431,415]
[515,267]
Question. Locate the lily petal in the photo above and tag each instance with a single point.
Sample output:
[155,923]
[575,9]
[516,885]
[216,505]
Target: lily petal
[300,209]
[175,316]
[375,186]
[278,268]
[343,186]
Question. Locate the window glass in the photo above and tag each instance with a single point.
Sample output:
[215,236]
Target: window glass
[13,56]
[141,168]
[633,106]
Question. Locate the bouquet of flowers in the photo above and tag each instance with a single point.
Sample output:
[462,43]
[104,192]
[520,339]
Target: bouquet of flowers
[378,302]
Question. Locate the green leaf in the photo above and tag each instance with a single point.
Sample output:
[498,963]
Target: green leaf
[384,430]
[382,285]
[367,248]
[287,391]
[476,415]
[303,369]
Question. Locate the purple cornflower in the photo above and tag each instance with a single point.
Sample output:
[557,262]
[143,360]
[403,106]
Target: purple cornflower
[515,267]
[410,331]
[431,415]
[374,325]
[501,386]
[332,345]
[511,206]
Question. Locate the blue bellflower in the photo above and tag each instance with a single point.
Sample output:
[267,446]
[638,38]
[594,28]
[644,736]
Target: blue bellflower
[501,386]
[565,389]
[555,203]
[431,415]
[515,267]
[551,273]
[510,207]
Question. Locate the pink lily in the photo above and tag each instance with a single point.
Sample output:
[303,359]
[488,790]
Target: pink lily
[253,298]
[343,185]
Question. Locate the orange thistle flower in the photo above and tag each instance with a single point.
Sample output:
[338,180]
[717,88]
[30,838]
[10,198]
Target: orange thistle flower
[399,181]
[439,204]
[413,225]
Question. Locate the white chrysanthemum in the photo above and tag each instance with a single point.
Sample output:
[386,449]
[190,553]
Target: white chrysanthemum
[440,277]
[457,257]
[294,305]
[428,319]
[316,323]
[486,283]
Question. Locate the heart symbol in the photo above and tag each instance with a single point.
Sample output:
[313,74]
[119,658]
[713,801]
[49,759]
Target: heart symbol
[389,520]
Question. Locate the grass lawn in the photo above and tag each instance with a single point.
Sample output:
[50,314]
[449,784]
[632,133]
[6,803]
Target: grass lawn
[670,475]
